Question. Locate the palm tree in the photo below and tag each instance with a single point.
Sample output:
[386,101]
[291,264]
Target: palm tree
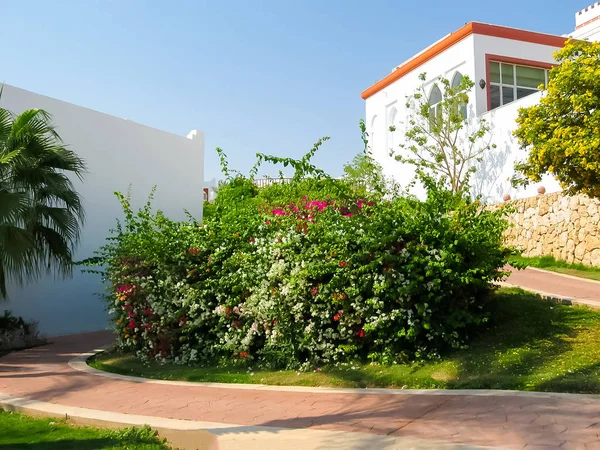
[40,212]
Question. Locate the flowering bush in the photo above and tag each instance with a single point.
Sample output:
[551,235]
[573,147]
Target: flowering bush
[304,273]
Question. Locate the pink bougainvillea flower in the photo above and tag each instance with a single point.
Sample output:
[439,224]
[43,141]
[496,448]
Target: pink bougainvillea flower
[267,222]
[279,212]
[148,311]
[348,215]
[361,203]
[131,324]
[370,203]
[318,369]
[360,333]
[314,291]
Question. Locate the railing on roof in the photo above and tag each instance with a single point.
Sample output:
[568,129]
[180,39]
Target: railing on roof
[262,182]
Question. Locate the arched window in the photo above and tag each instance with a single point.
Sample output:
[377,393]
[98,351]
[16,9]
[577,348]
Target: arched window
[391,121]
[435,106]
[456,79]
[374,136]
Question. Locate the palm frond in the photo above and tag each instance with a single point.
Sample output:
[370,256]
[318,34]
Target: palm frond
[40,211]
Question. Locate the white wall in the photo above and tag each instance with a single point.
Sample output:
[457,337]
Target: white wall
[587,23]
[492,177]
[379,106]
[469,58]
[118,153]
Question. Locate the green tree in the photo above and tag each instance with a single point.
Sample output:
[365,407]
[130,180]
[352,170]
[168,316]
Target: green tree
[40,211]
[440,141]
[562,132]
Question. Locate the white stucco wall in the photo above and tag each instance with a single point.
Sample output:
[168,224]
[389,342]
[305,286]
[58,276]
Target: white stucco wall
[587,23]
[492,177]
[118,153]
[469,58]
[380,107]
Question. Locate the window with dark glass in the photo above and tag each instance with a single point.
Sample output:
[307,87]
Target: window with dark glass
[510,82]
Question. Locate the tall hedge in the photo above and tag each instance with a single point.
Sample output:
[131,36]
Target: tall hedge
[305,273]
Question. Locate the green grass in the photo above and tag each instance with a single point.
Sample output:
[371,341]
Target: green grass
[549,263]
[530,345]
[22,432]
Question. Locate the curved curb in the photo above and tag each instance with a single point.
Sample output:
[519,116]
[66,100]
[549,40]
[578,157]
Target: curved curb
[554,298]
[79,363]
[564,275]
[195,435]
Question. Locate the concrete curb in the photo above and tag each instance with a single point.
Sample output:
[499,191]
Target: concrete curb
[79,363]
[554,298]
[178,432]
[194,435]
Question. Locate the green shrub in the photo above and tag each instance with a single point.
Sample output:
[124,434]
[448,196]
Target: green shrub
[303,273]
[17,333]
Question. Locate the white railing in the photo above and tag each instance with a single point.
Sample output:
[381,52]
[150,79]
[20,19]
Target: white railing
[262,182]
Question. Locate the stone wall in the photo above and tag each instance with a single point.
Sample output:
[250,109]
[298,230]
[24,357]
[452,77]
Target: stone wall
[567,228]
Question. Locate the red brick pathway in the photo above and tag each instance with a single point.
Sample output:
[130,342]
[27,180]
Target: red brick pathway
[566,422]
[551,283]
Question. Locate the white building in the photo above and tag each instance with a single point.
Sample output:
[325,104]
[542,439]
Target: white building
[506,65]
[118,153]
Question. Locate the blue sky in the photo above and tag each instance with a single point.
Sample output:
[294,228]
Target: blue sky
[256,76]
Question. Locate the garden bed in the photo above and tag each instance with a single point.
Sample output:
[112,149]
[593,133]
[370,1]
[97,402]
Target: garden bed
[530,345]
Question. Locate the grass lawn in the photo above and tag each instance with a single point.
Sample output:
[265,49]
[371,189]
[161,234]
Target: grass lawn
[22,432]
[549,263]
[531,345]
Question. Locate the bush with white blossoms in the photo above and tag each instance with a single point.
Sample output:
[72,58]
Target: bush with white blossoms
[300,274]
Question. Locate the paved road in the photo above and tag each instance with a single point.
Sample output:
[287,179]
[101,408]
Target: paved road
[536,280]
[534,422]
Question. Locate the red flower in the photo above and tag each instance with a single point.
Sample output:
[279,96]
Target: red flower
[314,291]
[131,324]
[237,324]
[275,322]
[343,264]
[243,354]
[370,203]
[193,251]
[360,333]
[148,311]
[252,240]
[338,315]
